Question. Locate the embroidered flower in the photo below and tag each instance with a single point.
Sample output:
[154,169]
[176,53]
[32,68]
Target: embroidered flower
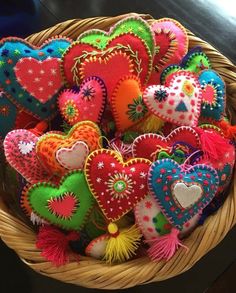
[120,185]
[137,110]
[88,93]
[160,95]
[188,88]
[70,111]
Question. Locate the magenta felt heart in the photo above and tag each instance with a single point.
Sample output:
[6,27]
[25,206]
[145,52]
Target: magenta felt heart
[19,146]
[178,101]
[87,104]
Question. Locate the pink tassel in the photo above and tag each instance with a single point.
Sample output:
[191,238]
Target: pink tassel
[214,146]
[164,247]
[55,244]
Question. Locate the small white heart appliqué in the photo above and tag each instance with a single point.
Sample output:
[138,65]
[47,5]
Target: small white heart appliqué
[26,147]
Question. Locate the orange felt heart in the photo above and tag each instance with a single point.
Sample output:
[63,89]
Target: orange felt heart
[50,143]
[126,102]
[109,67]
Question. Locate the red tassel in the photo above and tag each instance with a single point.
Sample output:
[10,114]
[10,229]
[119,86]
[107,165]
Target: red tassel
[228,129]
[214,146]
[40,128]
[164,247]
[55,244]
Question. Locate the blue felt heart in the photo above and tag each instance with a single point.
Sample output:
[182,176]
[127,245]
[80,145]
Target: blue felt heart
[13,51]
[182,193]
[213,95]
[8,112]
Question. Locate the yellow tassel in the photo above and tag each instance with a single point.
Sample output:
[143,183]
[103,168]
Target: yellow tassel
[122,244]
[150,124]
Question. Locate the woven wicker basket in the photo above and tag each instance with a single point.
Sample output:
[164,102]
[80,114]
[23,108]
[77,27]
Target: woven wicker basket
[96,274]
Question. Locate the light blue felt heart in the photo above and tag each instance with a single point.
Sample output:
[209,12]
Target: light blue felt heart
[18,85]
[182,193]
[213,95]
[8,112]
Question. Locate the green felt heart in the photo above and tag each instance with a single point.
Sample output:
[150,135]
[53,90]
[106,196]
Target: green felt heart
[178,156]
[134,25]
[66,206]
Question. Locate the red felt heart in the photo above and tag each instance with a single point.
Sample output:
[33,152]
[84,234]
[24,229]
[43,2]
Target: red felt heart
[87,104]
[63,206]
[128,43]
[40,79]
[117,186]
[107,68]
[145,145]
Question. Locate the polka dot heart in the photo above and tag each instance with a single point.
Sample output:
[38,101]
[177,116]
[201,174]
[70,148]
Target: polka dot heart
[179,101]
[116,185]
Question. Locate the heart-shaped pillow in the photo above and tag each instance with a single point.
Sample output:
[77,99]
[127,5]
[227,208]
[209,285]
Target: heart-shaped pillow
[153,223]
[213,95]
[30,76]
[116,185]
[67,205]
[150,145]
[87,104]
[171,42]
[127,103]
[182,193]
[60,153]
[195,61]
[20,152]
[178,101]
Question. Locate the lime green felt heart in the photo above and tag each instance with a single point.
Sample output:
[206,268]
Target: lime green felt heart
[178,156]
[66,206]
[134,25]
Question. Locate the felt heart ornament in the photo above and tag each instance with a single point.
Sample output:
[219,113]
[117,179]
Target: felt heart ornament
[87,104]
[153,223]
[171,41]
[20,152]
[67,205]
[195,61]
[58,153]
[30,76]
[150,145]
[127,104]
[106,68]
[116,185]
[132,36]
[182,192]
[178,102]
[97,247]
[213,95]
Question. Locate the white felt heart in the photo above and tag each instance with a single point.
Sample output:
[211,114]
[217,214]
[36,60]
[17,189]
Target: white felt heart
[26,147]
[73,157]
[178,101]
[187,195]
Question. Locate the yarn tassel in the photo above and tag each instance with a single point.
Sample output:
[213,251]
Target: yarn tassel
[214,146]
[122,244]
[55,245]
[150,124]
[40,128]
[228,129]
[164,247]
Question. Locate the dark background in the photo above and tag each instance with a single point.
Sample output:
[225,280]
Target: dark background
[212,20]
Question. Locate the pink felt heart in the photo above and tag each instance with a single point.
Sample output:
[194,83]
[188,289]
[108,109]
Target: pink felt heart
[73,158]
[40,79]
[20,152]
[178,101]
[87,104]
[171,41]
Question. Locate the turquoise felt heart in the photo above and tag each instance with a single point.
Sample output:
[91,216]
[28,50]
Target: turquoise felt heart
[30,76]
[8,112]
[182,194]
[67,205]
[213,95]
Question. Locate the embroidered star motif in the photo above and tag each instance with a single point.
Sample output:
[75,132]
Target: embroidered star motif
[143,175]
[132,169]
[100,165]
